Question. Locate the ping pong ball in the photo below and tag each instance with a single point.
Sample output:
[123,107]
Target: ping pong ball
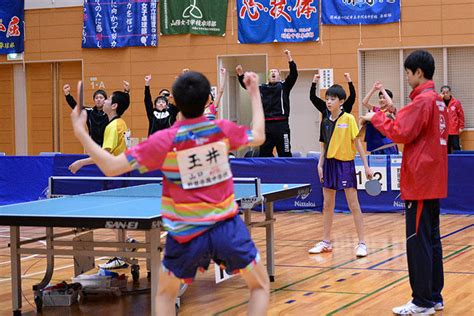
[285,186]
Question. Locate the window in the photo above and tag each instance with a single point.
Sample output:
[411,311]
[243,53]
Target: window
[454,67]
[380,65]
[461,79]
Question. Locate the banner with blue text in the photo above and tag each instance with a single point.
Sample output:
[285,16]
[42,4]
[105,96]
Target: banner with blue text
[11,26]
[267,21]
[348,12]
[119,23]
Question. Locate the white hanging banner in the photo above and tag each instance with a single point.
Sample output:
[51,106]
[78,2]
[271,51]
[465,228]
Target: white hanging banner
[327,78]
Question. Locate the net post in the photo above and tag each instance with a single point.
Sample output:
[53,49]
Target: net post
[50,187]
[258,189]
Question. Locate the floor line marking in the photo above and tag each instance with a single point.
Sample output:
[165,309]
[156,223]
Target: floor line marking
[336,267]
[302,280]
[385,286]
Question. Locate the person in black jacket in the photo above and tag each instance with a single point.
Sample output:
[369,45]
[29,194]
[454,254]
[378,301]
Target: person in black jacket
[320,104]
[97,120]
[276,106]
[160,113]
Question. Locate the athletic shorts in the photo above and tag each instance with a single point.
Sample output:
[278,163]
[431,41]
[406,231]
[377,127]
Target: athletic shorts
[228,243]
[339,175]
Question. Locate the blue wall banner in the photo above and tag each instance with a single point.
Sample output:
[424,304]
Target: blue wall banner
[12,26]
[347,12]
[24,178]
[267,21]
[119,23]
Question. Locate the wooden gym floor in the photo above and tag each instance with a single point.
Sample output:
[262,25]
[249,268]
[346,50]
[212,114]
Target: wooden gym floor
[336,283]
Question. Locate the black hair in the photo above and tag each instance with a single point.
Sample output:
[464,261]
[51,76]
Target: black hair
[445,87]
[123,101]
[161,91]
[336,91]
[161,97]
[390,94]
[102,92]
[423,60]
[191,92]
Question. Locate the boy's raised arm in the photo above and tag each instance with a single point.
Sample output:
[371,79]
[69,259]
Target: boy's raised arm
[349,103]
[220,91]
[318,103]
[69,98]
[240,75]
[365,101]
[258,118]
[147,100]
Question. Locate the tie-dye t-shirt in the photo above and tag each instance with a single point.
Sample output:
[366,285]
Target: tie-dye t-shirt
[187,213]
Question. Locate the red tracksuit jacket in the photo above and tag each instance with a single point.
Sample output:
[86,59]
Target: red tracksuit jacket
[422,126]
[455,116]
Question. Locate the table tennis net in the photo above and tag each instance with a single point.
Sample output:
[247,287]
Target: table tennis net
[119,186]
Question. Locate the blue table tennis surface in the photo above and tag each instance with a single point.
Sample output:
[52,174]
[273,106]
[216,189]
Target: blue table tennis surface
[138,202]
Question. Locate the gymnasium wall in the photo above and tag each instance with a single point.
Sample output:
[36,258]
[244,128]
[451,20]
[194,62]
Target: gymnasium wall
[70,72]
[54,35]
[40,107]
[7,116]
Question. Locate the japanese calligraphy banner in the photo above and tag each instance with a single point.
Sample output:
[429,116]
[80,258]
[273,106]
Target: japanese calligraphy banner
[202,17]
[347,12]
[11,26]
[266,21]
[119,23]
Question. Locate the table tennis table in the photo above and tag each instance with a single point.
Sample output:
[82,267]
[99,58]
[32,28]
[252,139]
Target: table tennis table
[131,208]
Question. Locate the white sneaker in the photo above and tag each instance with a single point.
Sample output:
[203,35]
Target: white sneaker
[114,263]
[412,309]
[322,246]
[439,306]
[361,250]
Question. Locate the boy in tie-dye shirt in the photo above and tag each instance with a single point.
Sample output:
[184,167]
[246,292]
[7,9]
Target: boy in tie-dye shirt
[198,207]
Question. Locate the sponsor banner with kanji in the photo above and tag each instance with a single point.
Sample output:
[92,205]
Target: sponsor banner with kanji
[11,26]
[347,12]
[119,23]
[266,21]
[201,17]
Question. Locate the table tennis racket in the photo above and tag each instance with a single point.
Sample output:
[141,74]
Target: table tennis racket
[373,187]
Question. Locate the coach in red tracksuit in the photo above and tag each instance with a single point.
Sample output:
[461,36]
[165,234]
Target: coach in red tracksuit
[456,118]
[422,127]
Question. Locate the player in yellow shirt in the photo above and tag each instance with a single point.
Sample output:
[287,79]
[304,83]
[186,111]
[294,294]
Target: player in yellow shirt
[114,135]
[336,167]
